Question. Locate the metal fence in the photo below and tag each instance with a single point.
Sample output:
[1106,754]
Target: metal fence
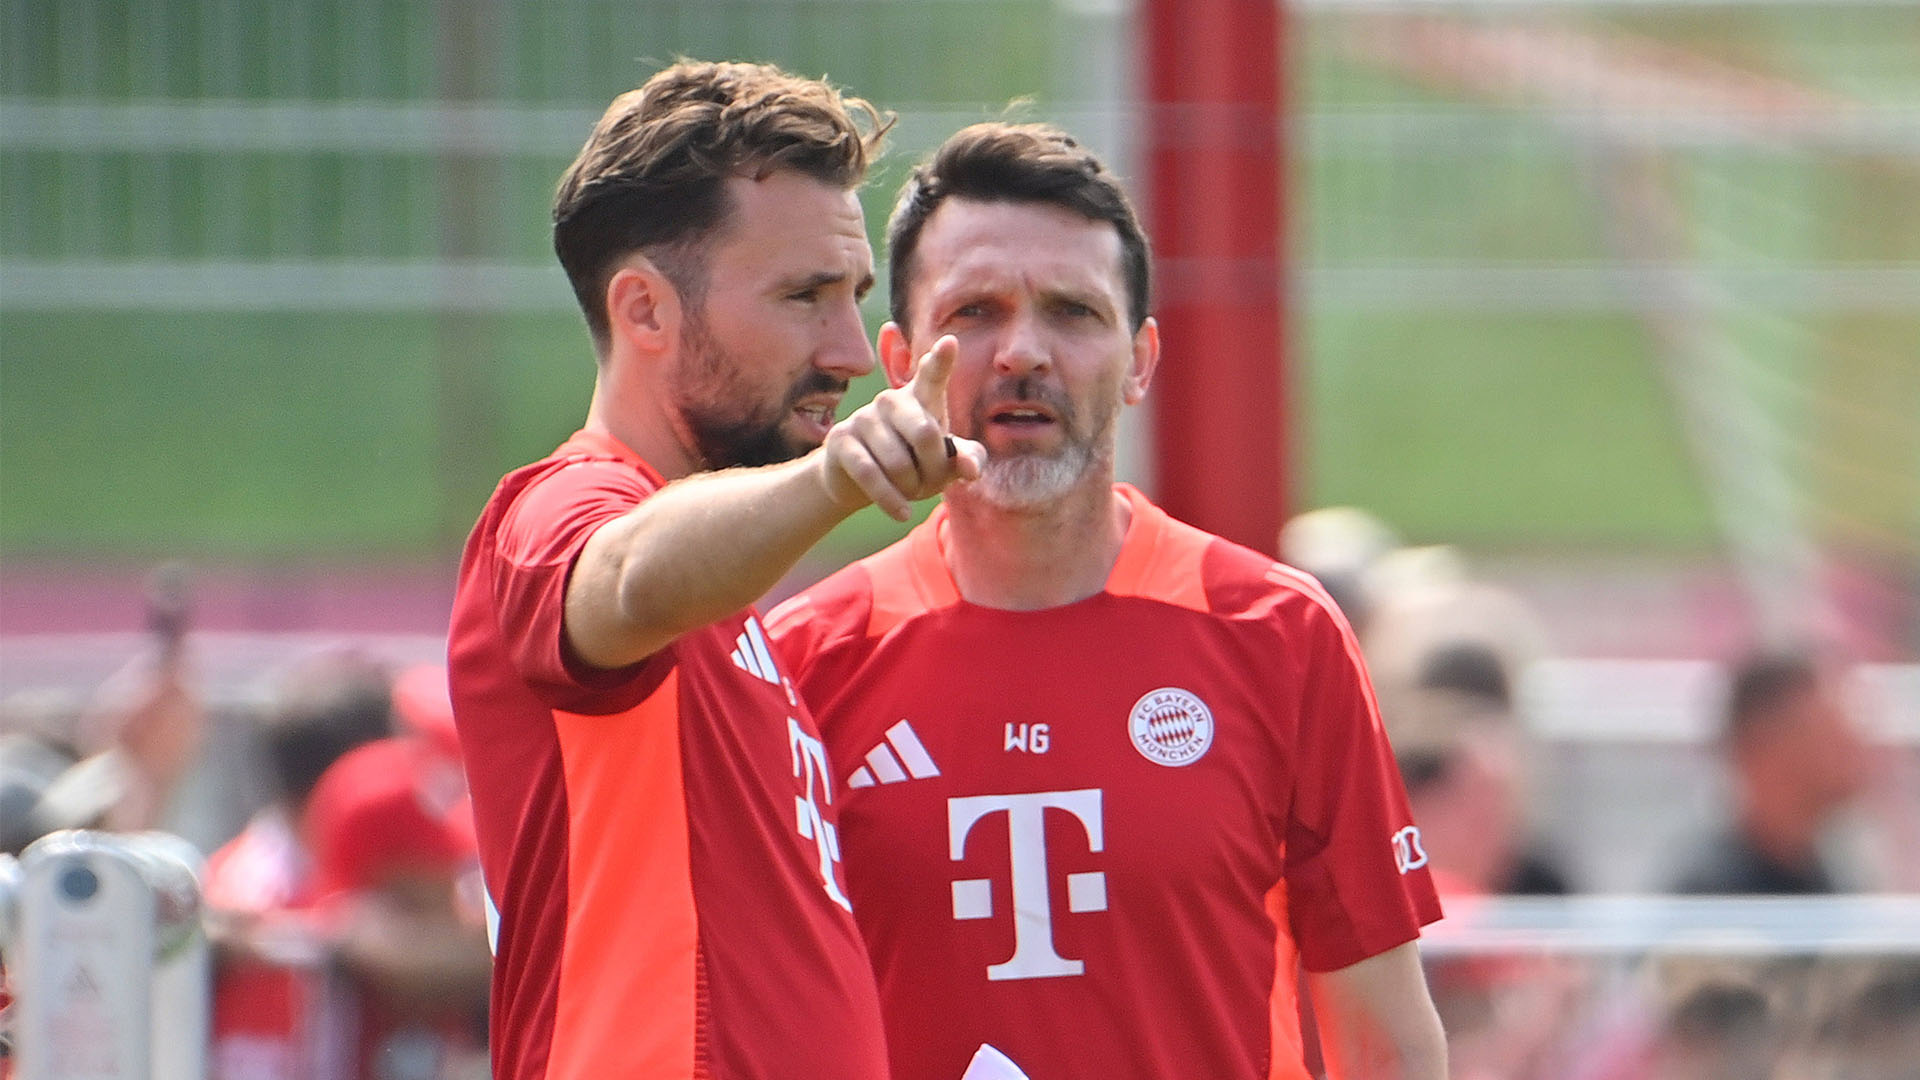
[1573,272]
[1717,195]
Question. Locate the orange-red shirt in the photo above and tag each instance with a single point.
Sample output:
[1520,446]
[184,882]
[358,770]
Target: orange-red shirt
[659,842]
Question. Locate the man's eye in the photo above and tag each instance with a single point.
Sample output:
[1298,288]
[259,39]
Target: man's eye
[969,311]
[805,296]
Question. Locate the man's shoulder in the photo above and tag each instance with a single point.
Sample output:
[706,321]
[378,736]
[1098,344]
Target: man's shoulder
[537,501]
[840,597]
[841,605]
[1242,583]
[582,465]
[1180,563]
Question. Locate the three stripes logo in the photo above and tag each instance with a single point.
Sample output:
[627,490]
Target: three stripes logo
[900,757]
[752,656]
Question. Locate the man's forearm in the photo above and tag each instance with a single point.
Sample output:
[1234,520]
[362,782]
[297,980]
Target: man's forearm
[698,550]
[1377,1021]
[708,545]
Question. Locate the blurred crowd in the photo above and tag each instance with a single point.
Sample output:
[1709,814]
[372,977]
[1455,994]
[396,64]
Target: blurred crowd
[1447,652]
[348,930]
[346,918]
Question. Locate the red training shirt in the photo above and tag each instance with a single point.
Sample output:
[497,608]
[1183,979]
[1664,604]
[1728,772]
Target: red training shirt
[659,842]
[1104,836]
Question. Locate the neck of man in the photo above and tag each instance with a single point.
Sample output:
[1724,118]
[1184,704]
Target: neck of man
[1032,560]
[1783,830]
[642,421]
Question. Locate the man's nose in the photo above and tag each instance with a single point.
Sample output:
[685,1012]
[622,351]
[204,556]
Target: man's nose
[846,352]
[1022,347]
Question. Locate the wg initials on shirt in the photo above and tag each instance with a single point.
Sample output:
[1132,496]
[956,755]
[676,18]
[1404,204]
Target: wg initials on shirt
[1032,738]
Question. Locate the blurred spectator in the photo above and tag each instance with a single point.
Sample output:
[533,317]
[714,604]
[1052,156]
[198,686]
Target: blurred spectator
[1697,1018]
[258,887]
[1339,545]
[1441,649]
[1464,756]
[346,949]
[1796,761]
[1425,600]
[395,867]
[1717,1031]
[115,762]
[326,706]
[1876,1034]
[148,720]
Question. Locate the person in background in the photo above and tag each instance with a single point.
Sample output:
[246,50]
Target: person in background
[259,887]
[1463,754]
[1106,779]
[116,761]
[1796,760]
[1875,1035]
[394,880]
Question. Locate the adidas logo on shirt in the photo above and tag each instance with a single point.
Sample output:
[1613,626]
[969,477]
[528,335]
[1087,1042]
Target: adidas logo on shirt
[752,655]
[883,766]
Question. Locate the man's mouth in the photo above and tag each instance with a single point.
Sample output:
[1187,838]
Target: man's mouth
[1021,417]
[817,412]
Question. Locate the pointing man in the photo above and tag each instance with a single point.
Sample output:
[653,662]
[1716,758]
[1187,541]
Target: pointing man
[655,824]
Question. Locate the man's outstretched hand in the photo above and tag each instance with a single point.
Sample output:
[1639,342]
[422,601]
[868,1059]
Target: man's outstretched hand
[896,450]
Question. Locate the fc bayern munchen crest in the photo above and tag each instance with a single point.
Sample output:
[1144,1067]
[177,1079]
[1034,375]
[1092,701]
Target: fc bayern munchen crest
[1170,726]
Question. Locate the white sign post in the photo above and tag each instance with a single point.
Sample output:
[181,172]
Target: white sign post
[108,961]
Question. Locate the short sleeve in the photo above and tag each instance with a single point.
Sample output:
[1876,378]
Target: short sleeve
[539,538]
[1357,883]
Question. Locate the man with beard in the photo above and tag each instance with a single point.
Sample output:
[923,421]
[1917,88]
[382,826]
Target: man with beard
[1110,780]
[650,797]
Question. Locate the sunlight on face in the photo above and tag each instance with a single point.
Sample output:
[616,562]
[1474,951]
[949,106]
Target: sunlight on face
[776,335]
[1036,296]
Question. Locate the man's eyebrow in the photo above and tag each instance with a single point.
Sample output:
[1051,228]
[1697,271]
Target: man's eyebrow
[1096,298]
[815,280]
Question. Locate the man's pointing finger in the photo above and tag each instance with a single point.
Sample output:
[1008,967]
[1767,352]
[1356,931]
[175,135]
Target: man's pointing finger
[930,376]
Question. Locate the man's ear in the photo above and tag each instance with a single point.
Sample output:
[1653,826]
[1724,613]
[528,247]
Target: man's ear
[643,307]
[896,356]
[1146,357]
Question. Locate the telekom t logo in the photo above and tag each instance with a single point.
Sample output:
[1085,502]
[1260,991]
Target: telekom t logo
[810,761]
[1033,953]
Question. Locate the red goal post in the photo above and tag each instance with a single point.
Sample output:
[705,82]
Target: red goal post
[1215,154]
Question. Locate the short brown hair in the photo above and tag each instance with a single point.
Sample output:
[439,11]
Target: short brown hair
[651,176]
[1761,682]
[1002,162]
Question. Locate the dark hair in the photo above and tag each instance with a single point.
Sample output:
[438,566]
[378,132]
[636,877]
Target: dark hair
[1467,667]
[1424,766]
[651,176]
[1033,163]
[325,707]
[1887,1005]
[1717,1012]
[1761,682]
